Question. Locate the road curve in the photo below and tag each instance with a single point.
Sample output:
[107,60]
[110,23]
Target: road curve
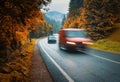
[87,66]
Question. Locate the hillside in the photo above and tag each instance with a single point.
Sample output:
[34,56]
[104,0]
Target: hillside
[112,43]
[116,35]
[55,24]
[97,16]
[55,19]
[54,15]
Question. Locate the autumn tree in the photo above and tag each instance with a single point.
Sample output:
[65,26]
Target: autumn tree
[16,18]
[97,16]
[100,17]
[74,12]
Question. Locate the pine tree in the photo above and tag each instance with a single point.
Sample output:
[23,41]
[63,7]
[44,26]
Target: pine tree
[97,16]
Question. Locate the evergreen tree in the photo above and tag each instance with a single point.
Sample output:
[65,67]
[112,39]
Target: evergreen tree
[97,16]
[64,18]
[74,7]
[55,24]
[63,21]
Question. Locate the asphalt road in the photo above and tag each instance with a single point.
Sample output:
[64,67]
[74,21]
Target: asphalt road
[87,66]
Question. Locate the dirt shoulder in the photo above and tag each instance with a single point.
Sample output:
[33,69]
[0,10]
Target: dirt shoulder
[38,70]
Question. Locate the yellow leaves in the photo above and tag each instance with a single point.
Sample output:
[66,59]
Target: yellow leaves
[78,22]
[16,72]
[33,23]
[18,17]
[21,35]
[83,10]
[86,2]
[96,15]
[18,69]
[4,77]
[38,21]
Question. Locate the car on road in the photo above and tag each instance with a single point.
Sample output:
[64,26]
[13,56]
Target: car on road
[75,39]
[51,39]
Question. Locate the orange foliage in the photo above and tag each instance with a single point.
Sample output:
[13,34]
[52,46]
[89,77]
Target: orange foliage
[97,16]
[21,36]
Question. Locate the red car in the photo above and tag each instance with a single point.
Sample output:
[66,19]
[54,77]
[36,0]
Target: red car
[73,39]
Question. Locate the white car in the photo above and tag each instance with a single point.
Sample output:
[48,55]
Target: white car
[51,39]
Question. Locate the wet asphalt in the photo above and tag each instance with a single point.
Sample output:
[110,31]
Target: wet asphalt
[80,66]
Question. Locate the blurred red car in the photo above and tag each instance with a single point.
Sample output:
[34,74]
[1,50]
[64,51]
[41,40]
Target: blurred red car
[73,39]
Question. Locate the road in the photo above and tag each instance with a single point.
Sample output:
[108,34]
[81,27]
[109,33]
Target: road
[87,66]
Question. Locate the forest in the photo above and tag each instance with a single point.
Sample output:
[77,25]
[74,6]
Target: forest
[97,16]
[55,24]
[20,21]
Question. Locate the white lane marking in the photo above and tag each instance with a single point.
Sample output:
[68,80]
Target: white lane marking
[60,69]
[117,62]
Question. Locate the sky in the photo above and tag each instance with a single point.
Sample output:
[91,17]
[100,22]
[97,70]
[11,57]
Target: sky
[59,5]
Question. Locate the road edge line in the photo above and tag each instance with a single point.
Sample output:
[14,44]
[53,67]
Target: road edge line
[58,66]
[106,59]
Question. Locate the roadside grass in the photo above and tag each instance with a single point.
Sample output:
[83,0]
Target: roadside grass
[107,45]
[112,43]
[17,69]
[116,35]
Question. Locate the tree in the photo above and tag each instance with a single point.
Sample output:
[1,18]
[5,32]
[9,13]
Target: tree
[100,17]
[55,24]
[16,16]
[63,20]
[97,16]
[74,13]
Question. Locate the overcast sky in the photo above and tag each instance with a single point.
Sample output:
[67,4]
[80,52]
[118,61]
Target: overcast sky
[59,5]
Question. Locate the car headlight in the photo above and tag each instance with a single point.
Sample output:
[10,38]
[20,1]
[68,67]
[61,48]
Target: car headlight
[89,43]
[73,43]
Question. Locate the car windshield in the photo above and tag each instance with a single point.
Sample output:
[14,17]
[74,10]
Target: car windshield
[74,34]
[51,37]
